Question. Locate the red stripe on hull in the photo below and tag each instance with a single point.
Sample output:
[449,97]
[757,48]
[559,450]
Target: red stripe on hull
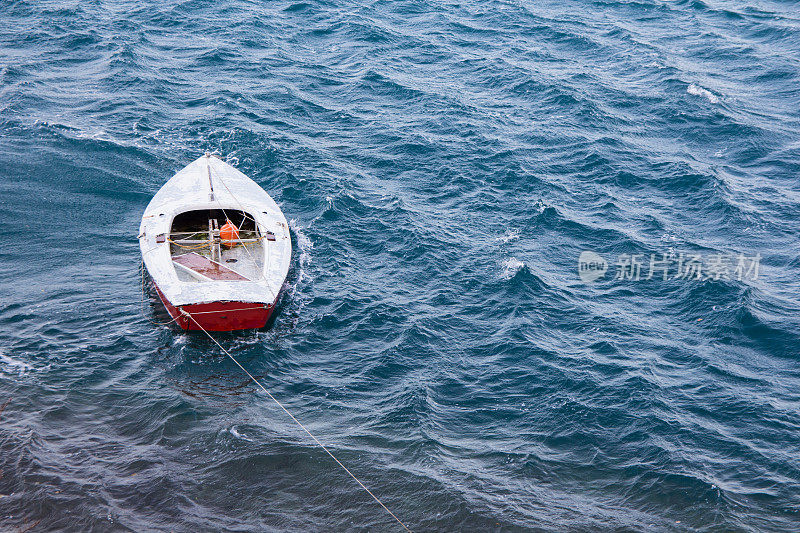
[219,316]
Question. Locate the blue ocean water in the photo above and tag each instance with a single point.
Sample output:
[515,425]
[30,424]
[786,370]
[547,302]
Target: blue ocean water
[443,165]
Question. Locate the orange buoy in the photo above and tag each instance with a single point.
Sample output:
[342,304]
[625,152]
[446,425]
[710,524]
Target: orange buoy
[229,234]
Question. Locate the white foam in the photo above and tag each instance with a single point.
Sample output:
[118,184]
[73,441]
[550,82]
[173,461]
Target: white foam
[179,340]
[12,366]
[511,266]
[510,235]
[238,435]
[303,243]
[305,246]
[696,90]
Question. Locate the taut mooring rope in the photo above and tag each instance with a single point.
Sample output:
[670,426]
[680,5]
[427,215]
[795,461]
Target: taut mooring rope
[295,420]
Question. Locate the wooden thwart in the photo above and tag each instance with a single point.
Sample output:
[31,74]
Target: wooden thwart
[208,268]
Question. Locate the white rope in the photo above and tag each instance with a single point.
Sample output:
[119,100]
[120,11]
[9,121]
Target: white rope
[296,421]
[230,310]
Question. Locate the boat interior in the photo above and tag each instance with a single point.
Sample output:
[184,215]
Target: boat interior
[217,245]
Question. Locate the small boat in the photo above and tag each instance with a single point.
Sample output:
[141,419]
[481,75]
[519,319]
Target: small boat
[216,246]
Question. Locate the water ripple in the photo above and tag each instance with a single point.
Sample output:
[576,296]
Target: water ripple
[443,165]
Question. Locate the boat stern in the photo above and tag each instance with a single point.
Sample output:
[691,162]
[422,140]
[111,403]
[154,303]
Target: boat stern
[219,316]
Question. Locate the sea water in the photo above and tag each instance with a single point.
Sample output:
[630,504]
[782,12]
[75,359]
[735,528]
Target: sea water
[444,165]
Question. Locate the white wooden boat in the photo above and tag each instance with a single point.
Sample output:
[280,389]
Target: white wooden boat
[227,277]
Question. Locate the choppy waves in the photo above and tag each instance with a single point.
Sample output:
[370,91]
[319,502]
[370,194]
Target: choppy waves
[443,166]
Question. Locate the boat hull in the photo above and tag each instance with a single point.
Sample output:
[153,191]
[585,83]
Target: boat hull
[234,292]
[219,316]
